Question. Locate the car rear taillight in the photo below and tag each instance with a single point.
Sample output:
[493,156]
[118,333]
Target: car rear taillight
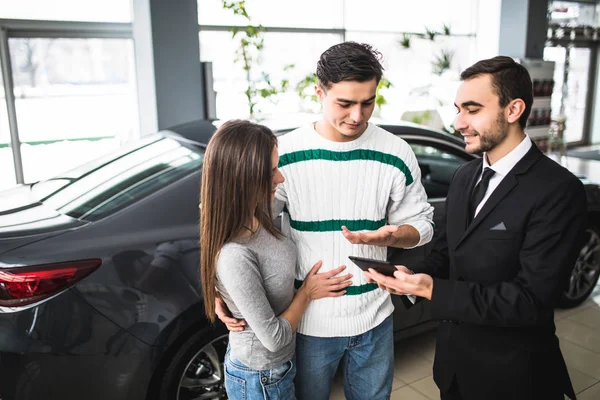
[21,286]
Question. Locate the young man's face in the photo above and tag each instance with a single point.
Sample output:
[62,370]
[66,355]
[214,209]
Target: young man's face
[480,120]
[347,107]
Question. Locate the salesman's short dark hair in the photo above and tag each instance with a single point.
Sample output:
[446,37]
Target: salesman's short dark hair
[510,81]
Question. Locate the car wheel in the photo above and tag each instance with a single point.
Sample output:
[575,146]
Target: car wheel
[196,370]
[585,274]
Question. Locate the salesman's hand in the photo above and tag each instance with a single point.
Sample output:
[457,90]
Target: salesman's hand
[234,325]
[381,286]
[403,282]
[380,237]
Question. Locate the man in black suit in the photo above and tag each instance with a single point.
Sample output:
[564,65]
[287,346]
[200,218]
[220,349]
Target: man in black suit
[514,218]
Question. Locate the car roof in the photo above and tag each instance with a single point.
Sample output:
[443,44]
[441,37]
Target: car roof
[408,128]
[200,131]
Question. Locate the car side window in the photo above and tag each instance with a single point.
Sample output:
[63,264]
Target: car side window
[126,179]
[438,164]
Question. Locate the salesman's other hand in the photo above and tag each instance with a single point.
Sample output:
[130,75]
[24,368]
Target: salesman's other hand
[223,313]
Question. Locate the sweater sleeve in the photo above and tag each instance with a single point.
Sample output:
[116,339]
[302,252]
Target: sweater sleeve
[408,201]
[238,272]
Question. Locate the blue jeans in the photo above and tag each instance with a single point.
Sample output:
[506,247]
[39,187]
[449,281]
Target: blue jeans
[367,362]
[243,383]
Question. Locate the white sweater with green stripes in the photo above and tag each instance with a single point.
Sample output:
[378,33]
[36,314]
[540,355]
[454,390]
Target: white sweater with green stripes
[362,184]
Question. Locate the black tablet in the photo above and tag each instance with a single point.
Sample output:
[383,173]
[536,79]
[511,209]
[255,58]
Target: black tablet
[383,267]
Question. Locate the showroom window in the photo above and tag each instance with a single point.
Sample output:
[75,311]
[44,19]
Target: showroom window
[75,99]
[280,50]
[411,16]
[67,10]
[572,44]
[297,33]
[276,13]
[70,69]
[570,99]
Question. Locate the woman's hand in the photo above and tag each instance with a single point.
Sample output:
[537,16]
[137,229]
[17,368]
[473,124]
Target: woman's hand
[317,286]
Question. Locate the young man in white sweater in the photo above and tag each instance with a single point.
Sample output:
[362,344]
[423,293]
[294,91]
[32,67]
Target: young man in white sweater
[351,188]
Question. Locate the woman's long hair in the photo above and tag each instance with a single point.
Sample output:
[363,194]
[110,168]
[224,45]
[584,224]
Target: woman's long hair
[236,186]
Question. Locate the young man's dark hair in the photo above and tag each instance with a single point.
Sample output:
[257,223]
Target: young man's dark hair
[349,61]
[510,81]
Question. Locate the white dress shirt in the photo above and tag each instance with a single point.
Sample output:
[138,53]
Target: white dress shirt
[502,167]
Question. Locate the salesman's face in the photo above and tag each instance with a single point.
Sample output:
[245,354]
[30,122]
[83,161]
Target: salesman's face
[480,120]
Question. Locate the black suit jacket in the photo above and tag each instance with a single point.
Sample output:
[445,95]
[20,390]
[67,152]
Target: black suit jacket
[496,281]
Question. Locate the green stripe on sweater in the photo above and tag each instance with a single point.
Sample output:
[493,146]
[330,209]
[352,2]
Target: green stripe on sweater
[350,290]
[334,225]
[359,154]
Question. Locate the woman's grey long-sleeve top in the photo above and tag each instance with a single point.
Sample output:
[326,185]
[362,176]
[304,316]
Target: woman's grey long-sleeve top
[255,277]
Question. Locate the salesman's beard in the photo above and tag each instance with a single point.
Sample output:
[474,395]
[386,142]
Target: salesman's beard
[491,138]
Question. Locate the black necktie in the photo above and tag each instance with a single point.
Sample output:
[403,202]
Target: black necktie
[479,191]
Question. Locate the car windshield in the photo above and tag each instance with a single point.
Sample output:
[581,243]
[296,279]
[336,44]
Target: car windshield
[108,184]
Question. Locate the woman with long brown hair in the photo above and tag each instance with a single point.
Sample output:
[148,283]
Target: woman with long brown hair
[251,263]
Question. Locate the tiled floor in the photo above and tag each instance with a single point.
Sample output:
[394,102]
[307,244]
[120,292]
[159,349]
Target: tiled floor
[578,330]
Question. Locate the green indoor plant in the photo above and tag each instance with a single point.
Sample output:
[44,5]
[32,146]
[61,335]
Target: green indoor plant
[251,39]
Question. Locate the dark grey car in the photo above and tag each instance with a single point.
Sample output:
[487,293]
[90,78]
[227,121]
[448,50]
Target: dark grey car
[99,283]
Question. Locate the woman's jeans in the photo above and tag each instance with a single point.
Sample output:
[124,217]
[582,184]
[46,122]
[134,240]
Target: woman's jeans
[243,383]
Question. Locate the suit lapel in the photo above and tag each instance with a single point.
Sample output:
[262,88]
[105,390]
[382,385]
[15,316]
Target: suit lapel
[473,177]
[461,188]
[505,187]
[509,182]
